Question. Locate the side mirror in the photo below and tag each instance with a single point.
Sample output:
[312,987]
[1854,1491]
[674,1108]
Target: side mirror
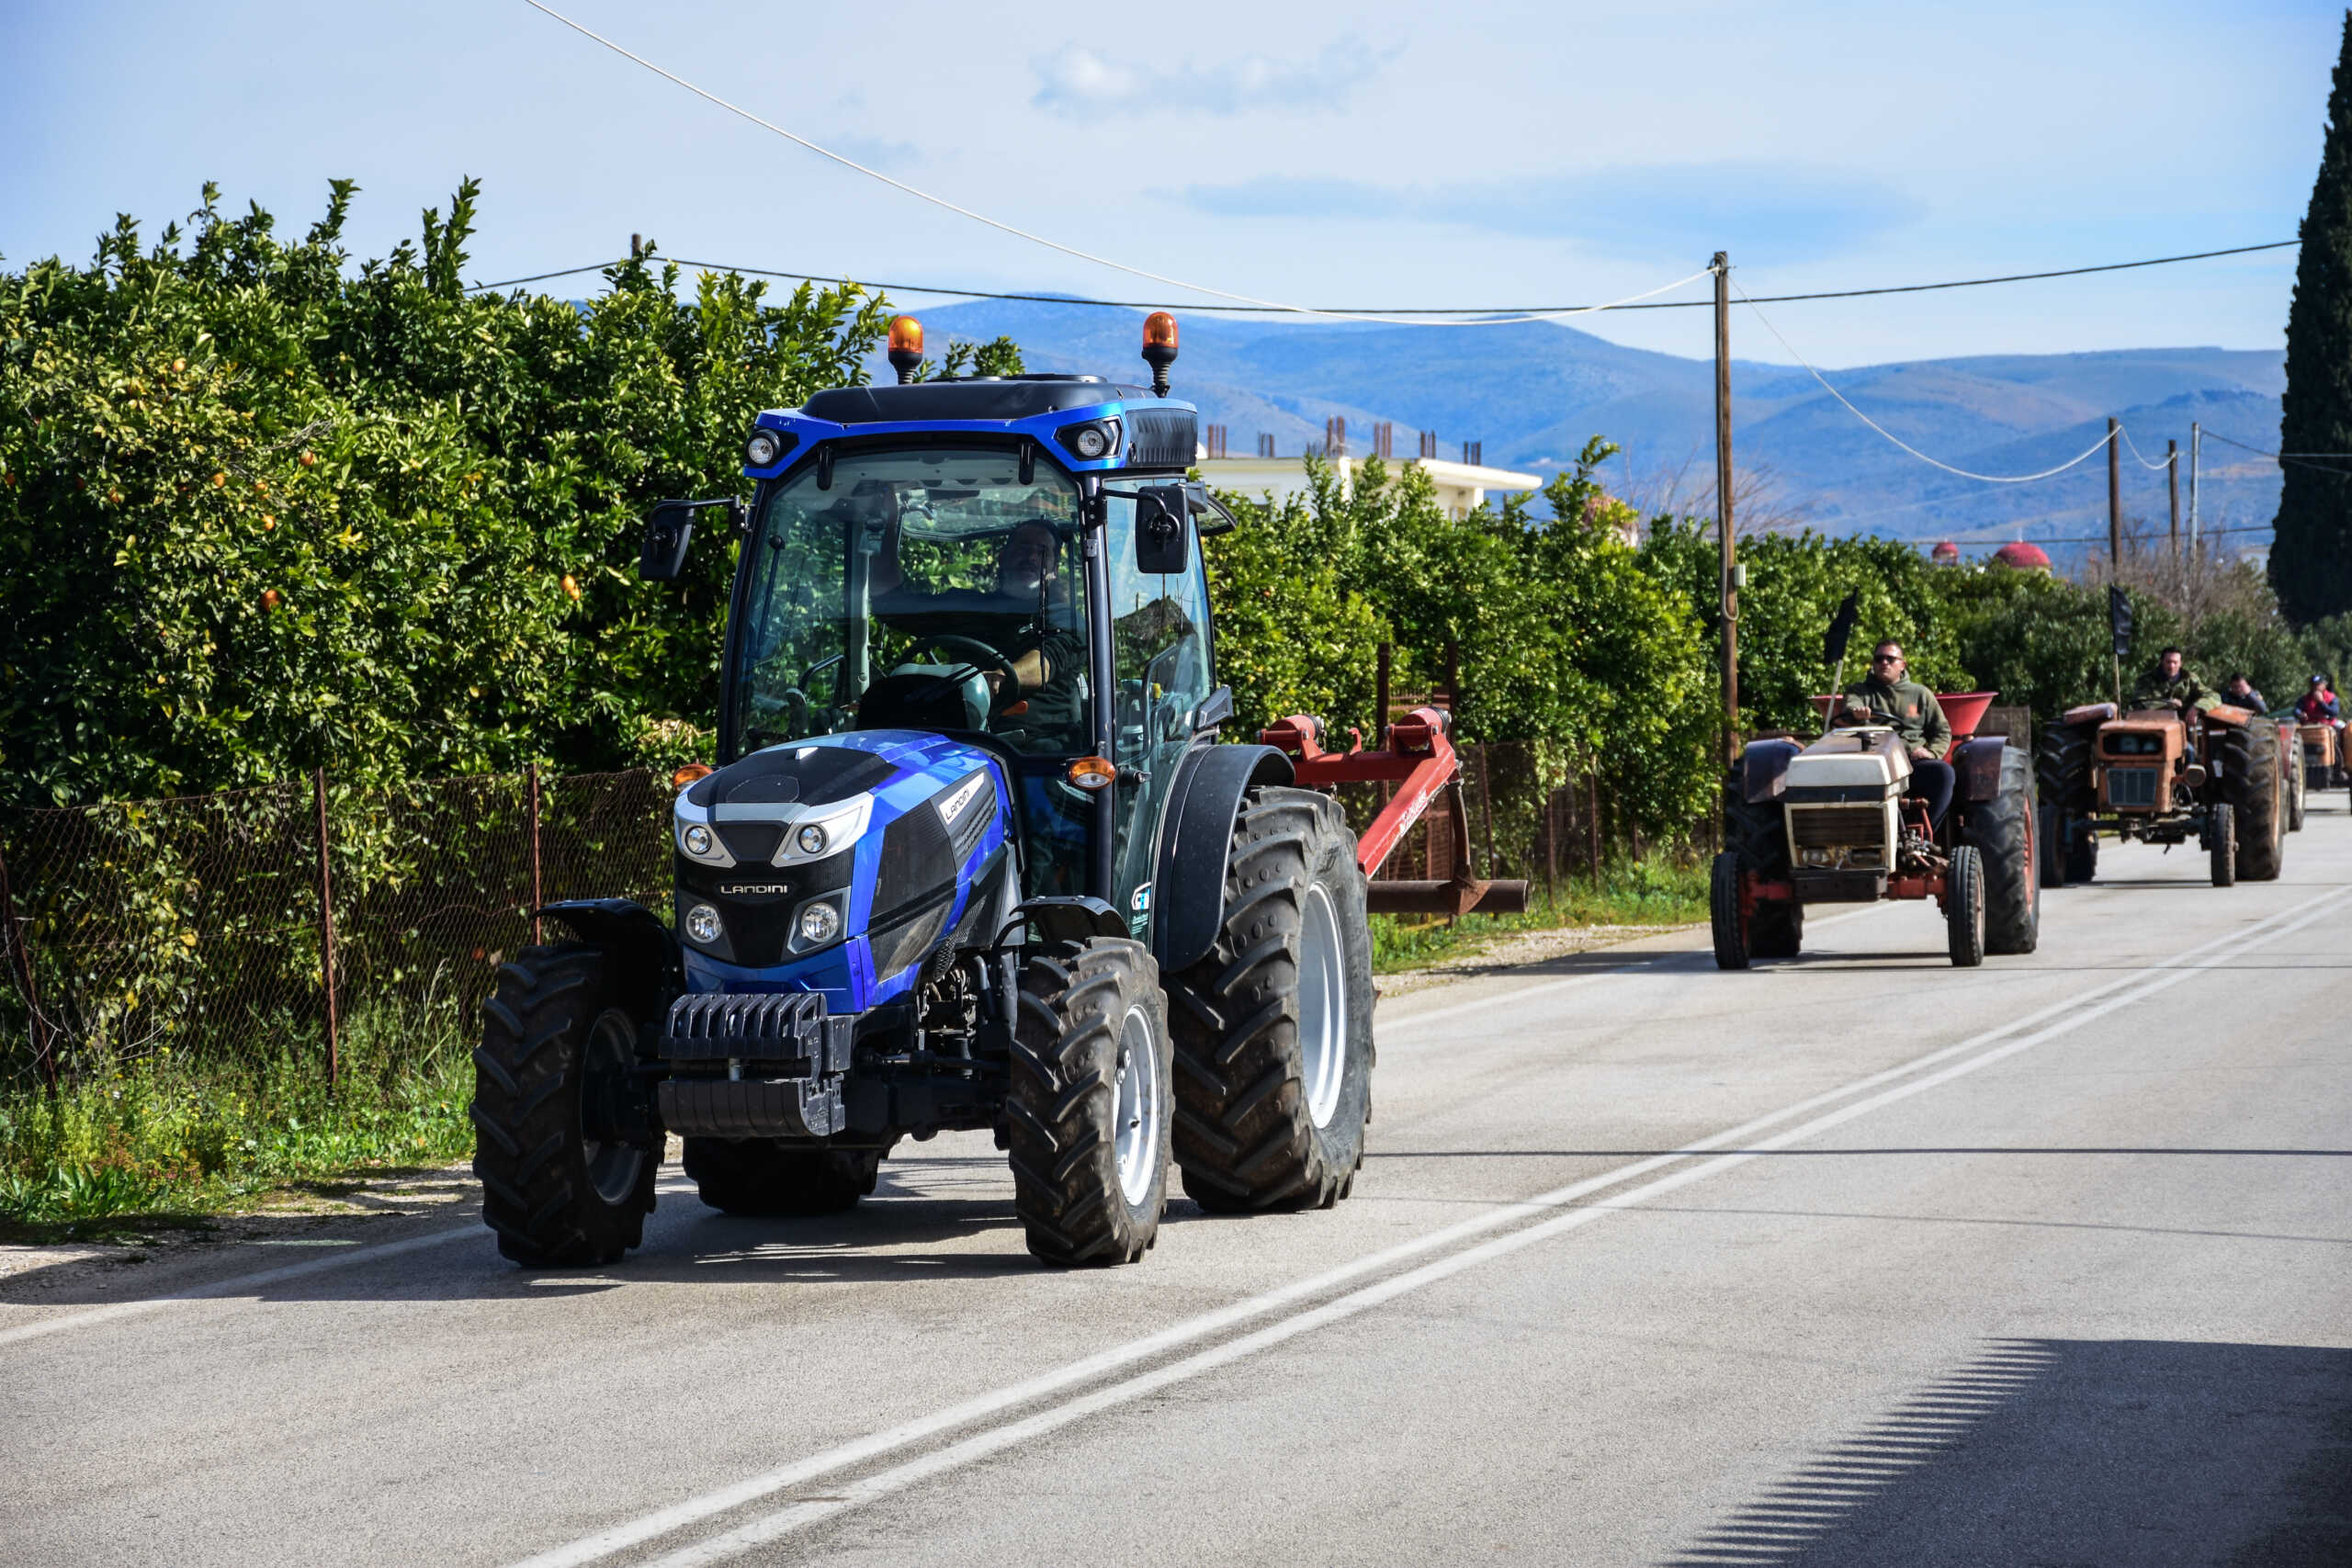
[1163,530]
[667,534]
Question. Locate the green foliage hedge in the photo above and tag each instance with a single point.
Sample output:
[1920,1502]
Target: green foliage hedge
[260,512]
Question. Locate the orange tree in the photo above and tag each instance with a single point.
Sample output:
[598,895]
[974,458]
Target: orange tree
[262,510]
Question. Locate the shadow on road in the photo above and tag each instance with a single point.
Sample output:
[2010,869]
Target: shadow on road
[2069,1452]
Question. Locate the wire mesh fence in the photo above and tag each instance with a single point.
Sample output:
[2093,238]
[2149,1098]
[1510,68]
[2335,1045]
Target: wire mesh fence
[260,923]
[271,923]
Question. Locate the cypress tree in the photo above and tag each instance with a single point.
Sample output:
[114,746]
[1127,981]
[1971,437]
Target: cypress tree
[2310,557]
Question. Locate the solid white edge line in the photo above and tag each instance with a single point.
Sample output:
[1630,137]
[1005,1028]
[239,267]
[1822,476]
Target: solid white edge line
[981,1445]
[662,1521]
[243,1283]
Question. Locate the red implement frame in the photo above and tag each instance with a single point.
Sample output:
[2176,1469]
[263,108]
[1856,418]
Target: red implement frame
[1421,762]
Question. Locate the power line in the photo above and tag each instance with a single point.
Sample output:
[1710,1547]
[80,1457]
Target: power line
[1002,227]
[2164,462]
[1933,462]
[1514,311]
[2296,459]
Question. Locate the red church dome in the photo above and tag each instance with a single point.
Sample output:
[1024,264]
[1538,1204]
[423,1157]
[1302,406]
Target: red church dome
[1945,554]
[2023,556]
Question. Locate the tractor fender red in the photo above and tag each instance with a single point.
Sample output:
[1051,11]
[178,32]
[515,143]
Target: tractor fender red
[1195,835]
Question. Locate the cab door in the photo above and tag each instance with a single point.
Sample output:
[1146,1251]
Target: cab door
[1161,660]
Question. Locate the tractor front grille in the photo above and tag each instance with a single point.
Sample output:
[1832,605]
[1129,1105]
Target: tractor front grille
[1831,826]
[2129,787]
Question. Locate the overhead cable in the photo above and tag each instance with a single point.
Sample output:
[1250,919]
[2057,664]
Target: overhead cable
[1002,227]
[1514,312]
[2164,462]
[2085,455]
[2298,460]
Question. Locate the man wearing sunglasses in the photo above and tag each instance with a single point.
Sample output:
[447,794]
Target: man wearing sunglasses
[1885,697]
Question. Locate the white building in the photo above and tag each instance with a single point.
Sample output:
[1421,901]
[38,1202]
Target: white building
[1461,487]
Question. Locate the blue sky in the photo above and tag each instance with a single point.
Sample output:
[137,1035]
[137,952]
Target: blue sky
[1366,154]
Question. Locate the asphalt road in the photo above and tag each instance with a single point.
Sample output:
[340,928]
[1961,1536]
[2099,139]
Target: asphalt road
[1858,1259]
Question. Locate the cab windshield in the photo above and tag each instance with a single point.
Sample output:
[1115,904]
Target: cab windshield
[926,587]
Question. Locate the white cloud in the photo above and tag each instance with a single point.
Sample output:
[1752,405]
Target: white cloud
[1079,80]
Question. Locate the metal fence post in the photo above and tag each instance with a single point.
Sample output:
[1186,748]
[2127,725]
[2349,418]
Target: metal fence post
[22,957]
[326,930]
[531,797]
[1592,824]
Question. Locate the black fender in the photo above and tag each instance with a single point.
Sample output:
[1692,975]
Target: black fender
[1764,769]
[635,941]
[1195,835]
[1977,765]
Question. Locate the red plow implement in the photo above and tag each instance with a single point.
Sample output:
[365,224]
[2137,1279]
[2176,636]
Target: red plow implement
[1420,759]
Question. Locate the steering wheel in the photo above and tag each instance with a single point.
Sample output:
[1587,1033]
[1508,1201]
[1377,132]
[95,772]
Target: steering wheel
[978,655]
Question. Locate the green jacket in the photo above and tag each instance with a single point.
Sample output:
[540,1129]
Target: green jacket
[1910,708]
[2153,691]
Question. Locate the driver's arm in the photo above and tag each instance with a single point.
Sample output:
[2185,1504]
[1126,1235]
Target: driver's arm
[1034,668]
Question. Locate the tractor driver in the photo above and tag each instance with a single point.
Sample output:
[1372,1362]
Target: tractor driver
[1884,696]
[1026,618]
[2171,686]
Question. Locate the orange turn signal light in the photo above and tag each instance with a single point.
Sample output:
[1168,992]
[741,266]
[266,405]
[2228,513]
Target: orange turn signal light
[693,772]
[1160,330]
[906,333]
[1093,773]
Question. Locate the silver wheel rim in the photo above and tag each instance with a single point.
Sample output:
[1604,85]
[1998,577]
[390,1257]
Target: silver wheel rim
[1140,1100]
[612,1168]
[1322,1006]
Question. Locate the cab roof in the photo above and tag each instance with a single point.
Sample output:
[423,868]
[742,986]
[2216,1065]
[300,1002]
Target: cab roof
[969,397]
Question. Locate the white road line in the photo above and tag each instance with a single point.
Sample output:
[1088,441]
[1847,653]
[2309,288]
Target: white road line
[2068,1014]
[1640,966]
[996,1439]
[244,1282]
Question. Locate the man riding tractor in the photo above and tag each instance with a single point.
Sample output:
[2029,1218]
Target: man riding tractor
[1884,696]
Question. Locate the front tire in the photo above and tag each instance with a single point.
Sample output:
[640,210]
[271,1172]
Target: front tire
[1725,921]
[1273,1027]
[2082,848]
[1089,1111]
[1965,909]
[560,1186]
[2221,845]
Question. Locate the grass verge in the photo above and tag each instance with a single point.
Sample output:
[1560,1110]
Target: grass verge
[168,1139]
[1652,892]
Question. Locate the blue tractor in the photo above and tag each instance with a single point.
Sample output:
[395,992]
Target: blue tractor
[972,858]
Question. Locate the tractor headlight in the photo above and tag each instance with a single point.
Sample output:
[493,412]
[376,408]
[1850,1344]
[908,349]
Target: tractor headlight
[819,922]
[812,839]
[698,839]
[764,446]
[702,924]
[1092,441]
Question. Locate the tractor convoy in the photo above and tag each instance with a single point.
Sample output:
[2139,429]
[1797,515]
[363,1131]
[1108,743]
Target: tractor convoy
[972,858]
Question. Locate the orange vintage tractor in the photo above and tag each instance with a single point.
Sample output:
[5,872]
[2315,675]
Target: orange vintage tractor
[2159,777]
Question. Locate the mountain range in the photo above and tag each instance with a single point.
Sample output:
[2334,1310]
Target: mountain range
[1531,394]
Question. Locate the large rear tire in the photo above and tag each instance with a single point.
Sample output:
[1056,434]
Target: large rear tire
[2050,845]
[1088,1114]
[2082,848]
[1273,1026]
[2065,765]
[558,1047]
[2251,782]
[1965,909]
[2003,830]
[759,1176]
[1758,832]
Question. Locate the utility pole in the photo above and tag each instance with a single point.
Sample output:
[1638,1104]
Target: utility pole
[2114,502]
[1727,550]
[2171,484]
[2196,442]
[636,246]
